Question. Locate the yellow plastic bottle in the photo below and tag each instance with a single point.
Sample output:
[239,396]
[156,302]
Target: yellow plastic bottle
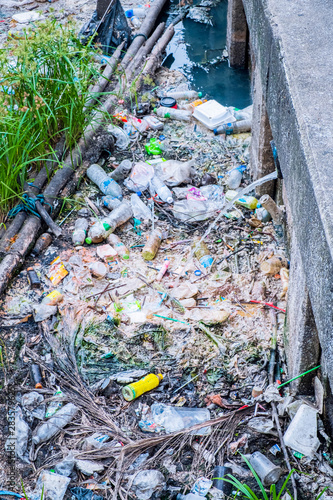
[249,202]
[153,244]
[133,391]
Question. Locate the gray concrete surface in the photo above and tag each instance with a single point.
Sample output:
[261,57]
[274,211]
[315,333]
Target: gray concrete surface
[292,42]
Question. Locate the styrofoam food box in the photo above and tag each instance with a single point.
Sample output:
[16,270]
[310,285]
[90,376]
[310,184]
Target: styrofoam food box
[212,114]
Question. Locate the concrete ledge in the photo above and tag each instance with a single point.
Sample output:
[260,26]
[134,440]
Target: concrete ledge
[292,43]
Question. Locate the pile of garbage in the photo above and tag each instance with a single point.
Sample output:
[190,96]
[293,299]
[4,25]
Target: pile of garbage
[148,341]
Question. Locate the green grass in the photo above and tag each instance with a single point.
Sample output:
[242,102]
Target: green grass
[44,86]
[246,492]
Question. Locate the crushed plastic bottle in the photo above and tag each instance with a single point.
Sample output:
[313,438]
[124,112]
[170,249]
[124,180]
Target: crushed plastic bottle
[119,246]
[235,177]
[153,244]
[107,185]
[140,177]
[173,418]
[183,94]
[111,202]
[50,428]
[54,406]
[202,253]
[80,232]
[146,384]
[153,122]
[101,229]
[140,210]
[175,114]
[122,171]
[202,486]
[163,192]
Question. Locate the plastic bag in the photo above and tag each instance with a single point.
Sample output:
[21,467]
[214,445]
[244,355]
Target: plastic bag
[140,177]
[31,401]
[85,494]
[66,466]
[19,441]
[110,32]
[55,486]
[147,482]
[140,210]
[174,172]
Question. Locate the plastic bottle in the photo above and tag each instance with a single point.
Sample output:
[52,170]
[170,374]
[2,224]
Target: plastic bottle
[162,191]
[122,140]
[249,202]
[153,122]
[235,177]
[140,210]
[268,472]
[153,244]
[219,473]
[108,186]
[133,391]
[192,105]
[273,265]
[36,376]
[234,128]
[175,114]
[101,229]
[55,406]
[55,424]
[122,171]
[202,254]
[111,202]
[189,496]
[118,245]
[136,11]
[136,22]
[163,269]
[80,232]
[184,94]
[33,278]
[41,244]
[140,177]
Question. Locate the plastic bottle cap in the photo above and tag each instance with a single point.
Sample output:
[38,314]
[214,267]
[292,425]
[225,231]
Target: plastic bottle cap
[139,193]
[88,241]
[215,131]
[155,110]
[167,115]
[106,226]
[38,386]
[200,94]
[129,13]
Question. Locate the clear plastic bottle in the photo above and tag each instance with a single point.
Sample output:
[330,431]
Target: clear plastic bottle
[183,94]
[140,210]
[176,114]
[153,244]
[136,22]
[101,229]
[162,191]
[119,246]
[140,177]
[153,122]
[80,232]
[122,171]
[111,202]
[54,406]
[234,128]
[108,186]
[136,11]
[202,254]
[133,391]
[50,428]
[249,202]
[41,244]
[235,177]
[122,140]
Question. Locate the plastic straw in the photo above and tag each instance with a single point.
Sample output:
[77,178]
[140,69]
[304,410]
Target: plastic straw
[298,376]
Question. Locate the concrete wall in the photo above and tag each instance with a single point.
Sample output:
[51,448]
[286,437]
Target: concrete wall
[293,70]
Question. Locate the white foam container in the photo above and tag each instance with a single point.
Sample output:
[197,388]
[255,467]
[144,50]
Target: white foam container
[212,114]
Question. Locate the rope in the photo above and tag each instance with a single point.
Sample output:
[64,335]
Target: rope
[140,34]
[28,205]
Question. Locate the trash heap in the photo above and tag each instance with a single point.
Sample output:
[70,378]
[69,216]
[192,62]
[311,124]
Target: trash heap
[149,338]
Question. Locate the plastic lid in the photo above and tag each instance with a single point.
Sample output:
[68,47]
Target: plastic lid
[167,115]
[169,200]
[168,102]
[155,110]
[129,13]
[88,241]
[128,393]
[200,94]
[106,226]
[215,131]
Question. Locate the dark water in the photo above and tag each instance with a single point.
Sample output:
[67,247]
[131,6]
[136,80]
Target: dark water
[195,50]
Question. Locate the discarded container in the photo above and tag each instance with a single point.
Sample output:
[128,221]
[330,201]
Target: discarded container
[168,102]
[202,253]
[301,434]
[54,406]
[268,472]
[107,253]
[153,122]
[183,94]
[33,279]
[154,146]
[221,471]
[212,114]
[42,243]
[57,271]
[107,185]
[98,269]
[122,171]
[136,22]
[136,11]
[267,202]
[202,486]
[133,391]
[140,177]
[273,265]
[36,376]
[174,172]
[119,246]
[153,244]
[249,202]
[80,232]
[174,418]
[163,269]
[111,202]
[55,424]
[235,177]
[262,214]
[140,210]
[148,482]
[162,191]
[175,114]
[122,139]
[234,128]
[101,229]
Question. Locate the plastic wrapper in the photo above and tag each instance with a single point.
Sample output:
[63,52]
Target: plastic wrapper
[174,172]
[31,401]
[66,466]
[50,486]
[140,177]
